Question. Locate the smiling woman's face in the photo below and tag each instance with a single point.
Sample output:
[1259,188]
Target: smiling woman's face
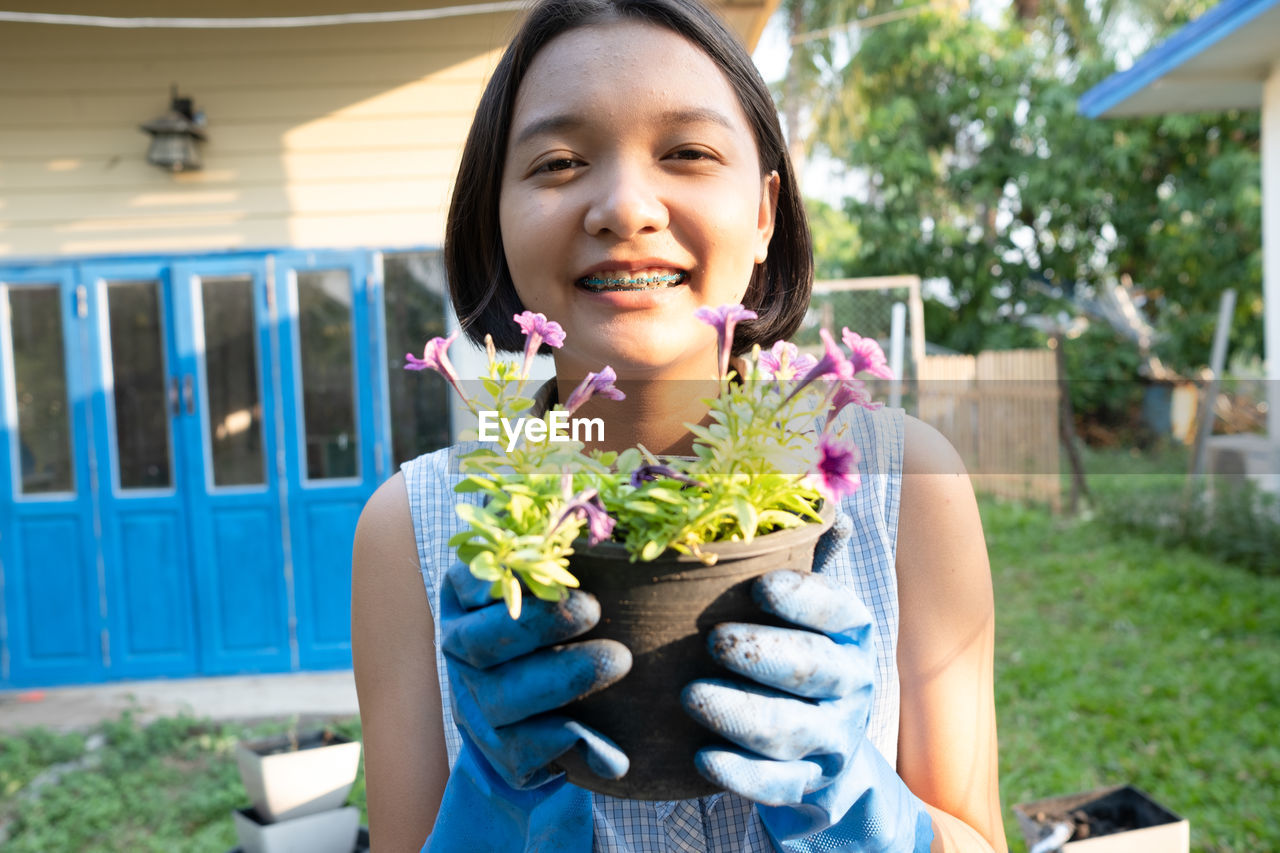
[631,196]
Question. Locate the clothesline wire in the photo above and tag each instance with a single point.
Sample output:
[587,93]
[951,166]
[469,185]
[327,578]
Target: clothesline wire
[263,23]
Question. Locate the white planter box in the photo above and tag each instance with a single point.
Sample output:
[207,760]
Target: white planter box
[287,785]
[332,831]
[1158,829]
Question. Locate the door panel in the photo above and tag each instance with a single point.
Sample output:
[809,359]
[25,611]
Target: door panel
[52,628]
[145,541]
[329,383]
[237,508]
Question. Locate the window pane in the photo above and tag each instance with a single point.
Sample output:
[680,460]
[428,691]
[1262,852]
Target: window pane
[40,384]
[415,312]
[137,359]
[328,392]
[231,380]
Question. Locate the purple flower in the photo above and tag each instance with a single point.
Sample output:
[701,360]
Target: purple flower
[785,361]
[435,356]
[596,383]
[837,468]
[587,505]
[724,319]
[849,392]
[867,355]
[649,473]
[832,365]
[537,330]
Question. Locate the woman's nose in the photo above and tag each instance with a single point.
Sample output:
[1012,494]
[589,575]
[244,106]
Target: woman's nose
[625,203]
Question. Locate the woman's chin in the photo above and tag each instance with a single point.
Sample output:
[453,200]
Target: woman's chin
[646,363]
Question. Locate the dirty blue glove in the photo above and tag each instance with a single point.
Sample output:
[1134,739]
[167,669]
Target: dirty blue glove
[508,675]
[801,725]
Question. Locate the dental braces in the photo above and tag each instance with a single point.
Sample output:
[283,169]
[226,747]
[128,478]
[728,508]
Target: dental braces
[642,283]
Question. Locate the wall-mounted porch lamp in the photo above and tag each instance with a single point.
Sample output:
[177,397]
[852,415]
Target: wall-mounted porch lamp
[174,136]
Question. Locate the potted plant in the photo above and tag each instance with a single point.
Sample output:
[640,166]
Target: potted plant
[330,831]
[297,774]
[759,490]
[1120,819]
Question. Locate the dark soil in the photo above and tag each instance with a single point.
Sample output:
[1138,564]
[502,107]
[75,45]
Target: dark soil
[308,740]
[1118,811]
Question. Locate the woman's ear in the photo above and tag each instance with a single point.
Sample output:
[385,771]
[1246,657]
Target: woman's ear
[768,214]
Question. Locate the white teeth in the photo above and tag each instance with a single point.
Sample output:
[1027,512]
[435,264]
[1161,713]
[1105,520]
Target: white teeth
[609,281]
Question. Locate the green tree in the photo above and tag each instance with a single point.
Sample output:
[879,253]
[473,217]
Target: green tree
[982,175]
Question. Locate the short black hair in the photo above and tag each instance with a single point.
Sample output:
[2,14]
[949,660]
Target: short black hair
[484,296]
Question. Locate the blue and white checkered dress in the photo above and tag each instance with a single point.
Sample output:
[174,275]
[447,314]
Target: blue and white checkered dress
[721,823]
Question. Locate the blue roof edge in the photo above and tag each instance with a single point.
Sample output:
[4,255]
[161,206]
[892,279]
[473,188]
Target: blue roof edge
[1214,25]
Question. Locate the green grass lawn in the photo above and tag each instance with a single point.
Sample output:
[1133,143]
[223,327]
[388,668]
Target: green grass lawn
[1118,661]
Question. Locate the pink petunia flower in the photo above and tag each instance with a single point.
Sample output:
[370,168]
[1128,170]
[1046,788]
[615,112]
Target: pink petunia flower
[723,319]
[587,505]
[537,330]
[849,392]
[867,356]
[435,356]
[837,469]
[595,383]
[649,473]
[832,365]
[785,361]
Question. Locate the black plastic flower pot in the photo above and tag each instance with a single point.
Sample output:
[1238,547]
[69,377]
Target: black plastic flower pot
[662,611]
[1119,819]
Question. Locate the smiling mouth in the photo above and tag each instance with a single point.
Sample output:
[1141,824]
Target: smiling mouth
[611,282]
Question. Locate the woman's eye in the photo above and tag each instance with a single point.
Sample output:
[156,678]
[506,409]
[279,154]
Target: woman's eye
[691,154]
[559,164]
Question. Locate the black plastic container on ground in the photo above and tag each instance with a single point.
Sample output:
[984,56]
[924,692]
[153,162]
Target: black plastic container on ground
[1120,819]
[662,611]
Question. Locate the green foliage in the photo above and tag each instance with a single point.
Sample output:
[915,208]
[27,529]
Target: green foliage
[754,469]
[165,787]
[24,758]
[168,787]
[1231,519]
[982,174]
[1103,371]
[836,242]
[1109,652]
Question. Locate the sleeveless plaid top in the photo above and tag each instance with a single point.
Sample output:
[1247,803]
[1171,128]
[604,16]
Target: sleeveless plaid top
[721,823]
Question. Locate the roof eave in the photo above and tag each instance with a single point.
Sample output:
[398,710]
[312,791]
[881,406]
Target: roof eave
[1119,94]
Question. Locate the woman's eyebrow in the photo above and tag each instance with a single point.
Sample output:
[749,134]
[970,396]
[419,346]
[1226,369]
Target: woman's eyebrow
[565,122]
[560,123]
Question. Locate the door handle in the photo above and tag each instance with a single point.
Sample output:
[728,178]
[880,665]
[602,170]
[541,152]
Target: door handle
[174,405]
[188,394]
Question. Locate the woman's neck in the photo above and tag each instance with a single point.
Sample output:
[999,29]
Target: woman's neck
[654,413]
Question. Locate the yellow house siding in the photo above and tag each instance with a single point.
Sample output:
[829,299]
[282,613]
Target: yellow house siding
[317,137]
[324,137]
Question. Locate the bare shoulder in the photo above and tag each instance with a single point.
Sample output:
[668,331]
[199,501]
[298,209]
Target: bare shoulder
[942,554]
[927,451]
[946,736]
[388,594]
[938,520]
[394,658]
[387,512]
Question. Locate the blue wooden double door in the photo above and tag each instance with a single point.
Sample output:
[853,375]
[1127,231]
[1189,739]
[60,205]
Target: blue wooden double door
[188,444]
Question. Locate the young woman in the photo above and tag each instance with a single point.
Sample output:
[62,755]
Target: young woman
[625,168]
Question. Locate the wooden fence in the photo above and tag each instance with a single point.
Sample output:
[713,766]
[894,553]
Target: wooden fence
[1000,410]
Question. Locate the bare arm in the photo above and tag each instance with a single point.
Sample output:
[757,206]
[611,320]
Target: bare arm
[393,649]
[947,736]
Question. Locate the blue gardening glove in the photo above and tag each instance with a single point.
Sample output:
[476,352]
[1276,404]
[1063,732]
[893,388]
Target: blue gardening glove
[801,722]
[481,813]
[508,675]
